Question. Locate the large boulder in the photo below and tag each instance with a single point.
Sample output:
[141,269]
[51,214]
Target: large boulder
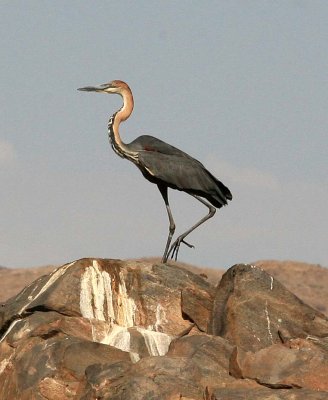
[252,310]
[122,310]
[297,363]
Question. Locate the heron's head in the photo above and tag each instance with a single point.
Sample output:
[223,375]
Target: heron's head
[112,87]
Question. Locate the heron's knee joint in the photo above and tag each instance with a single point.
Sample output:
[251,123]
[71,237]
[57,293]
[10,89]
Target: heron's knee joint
[172,228]
[212,211]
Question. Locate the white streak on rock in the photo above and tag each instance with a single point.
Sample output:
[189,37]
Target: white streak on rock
[160,317]
[118,337]
[50,365]
[314,338]
[86,293]
[157,343]
[256,337]
[57,273]
[271,284]
[4,363]
[98,291]
[268,320]
[134,357]
[96,297]
[109,295]
[126,307]
[10,328]
[96,300]
[53,277]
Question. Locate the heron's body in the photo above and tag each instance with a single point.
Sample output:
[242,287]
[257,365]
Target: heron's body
[181,172]
[164,165]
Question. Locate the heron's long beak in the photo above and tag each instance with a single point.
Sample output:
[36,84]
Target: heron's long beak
[100,88]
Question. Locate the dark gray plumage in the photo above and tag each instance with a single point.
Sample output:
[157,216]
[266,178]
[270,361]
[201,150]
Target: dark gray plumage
[175,168]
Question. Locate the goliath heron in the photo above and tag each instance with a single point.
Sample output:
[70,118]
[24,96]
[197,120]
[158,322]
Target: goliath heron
[164,165]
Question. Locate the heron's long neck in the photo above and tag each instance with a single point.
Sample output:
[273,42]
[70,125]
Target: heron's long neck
[122,114]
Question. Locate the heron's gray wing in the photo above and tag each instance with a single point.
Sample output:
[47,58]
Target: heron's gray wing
[183,173]
[172,169]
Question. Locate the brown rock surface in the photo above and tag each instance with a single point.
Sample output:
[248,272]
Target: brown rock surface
[299,363]
[116,330]
[309,282]
[253,310]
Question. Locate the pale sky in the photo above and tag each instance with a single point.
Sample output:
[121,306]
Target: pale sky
[240,85]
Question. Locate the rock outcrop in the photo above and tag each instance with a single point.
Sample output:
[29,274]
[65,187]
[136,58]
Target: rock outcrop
[108,329]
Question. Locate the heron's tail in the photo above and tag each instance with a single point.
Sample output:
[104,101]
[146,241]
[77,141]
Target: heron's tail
[220,194]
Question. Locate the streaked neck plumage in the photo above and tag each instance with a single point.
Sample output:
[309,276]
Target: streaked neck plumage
[121,148]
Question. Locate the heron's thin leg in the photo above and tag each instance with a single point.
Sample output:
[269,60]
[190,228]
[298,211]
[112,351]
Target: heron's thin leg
[163,190]
[174,249]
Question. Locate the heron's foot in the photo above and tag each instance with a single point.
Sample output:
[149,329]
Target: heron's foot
[174,250]
[191,246]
